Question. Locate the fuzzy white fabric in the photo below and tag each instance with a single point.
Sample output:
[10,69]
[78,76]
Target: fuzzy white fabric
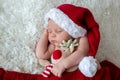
[65,23]
[88,66]
[21,24]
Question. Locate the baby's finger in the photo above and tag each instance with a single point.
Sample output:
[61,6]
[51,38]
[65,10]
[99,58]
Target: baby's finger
[46,30]
[59,74]
[54,73]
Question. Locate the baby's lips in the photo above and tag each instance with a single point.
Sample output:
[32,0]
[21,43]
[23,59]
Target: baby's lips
[57,54]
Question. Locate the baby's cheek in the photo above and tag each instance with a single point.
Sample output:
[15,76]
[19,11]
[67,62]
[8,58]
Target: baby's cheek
[49,38]
[59,41]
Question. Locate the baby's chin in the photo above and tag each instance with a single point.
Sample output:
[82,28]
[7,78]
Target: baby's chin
[57,44]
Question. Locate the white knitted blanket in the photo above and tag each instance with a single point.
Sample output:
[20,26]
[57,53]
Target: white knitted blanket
[21,24]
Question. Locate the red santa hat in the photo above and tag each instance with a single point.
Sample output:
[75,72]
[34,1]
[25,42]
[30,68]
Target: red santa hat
[78,22]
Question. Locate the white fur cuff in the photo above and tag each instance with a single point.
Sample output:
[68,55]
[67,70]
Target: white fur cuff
[88,66]
[65,23]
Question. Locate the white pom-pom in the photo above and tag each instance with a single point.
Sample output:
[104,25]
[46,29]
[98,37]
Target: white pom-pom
[88,66]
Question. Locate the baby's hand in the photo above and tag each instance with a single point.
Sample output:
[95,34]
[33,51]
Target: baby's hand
[46,32]
[98,65]
[58,69]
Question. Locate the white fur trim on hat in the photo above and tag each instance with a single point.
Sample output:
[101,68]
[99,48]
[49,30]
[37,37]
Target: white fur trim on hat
[88,66]
[62,20]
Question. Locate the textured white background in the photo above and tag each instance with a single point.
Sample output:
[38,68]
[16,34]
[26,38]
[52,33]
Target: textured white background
[21,24]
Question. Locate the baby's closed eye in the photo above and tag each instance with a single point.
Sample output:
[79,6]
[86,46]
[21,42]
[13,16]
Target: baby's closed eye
[58,31]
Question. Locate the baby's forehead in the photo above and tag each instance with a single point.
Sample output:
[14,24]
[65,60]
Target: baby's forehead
[54,28]
[53,25]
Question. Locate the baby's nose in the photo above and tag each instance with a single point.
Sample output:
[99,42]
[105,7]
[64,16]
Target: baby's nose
[53,34]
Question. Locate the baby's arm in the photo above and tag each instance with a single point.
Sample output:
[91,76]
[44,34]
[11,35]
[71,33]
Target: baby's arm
[77,56]
[43,48]
[73,59]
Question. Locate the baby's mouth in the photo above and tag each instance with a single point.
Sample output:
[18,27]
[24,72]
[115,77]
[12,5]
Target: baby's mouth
[54,42]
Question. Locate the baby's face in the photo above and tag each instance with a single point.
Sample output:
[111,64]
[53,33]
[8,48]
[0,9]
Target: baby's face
[56,34]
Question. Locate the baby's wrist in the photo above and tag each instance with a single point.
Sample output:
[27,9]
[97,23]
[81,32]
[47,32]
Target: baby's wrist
[65,65]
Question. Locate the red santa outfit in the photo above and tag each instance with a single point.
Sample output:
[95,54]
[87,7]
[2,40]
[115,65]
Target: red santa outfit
[78,22]
[108,72]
